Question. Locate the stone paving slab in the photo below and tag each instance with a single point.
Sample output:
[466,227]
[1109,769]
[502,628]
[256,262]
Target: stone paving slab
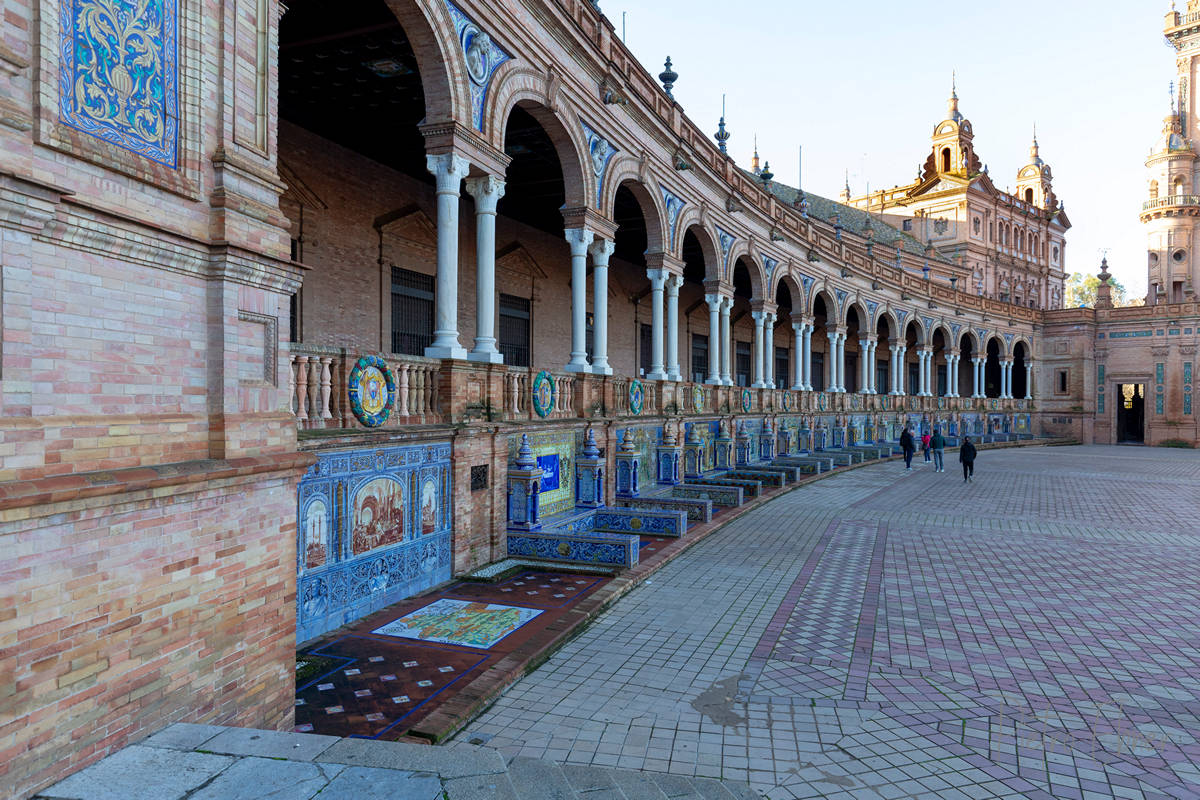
[885,633]
[355,769]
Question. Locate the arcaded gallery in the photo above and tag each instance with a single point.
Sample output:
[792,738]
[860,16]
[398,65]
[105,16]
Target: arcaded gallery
[310,310]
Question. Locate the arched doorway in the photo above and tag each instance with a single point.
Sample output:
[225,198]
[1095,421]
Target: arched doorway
[1020,383]
[939,372]
[992,371]
[742,324]
[856,327]
[701,319]
[822,350]
[966,371]
[883,355]
[911,373]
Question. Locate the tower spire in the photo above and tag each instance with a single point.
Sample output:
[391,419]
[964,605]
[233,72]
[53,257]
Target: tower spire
[1034,157]
[955,114]
[754,161]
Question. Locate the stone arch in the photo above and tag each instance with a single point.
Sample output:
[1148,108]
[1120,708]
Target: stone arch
[888,315]
[1022,339]
[650,201]
[831,303]
[919,326]
[947,334]
[795,288]
[971,334]
[741,252]
[708,246]
[434,39]
[866,321]
[1002,349]
[568,140]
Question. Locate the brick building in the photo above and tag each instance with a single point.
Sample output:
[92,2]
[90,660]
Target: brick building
[283,290]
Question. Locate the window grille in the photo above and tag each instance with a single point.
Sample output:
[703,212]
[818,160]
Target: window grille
[514,330]
[412,311]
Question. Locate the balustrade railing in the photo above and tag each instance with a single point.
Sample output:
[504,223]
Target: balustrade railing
[319,379]
[1172,200]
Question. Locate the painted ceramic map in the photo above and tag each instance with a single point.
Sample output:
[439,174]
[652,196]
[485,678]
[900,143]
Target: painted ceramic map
[543,393]
[745,400]
[460,622]
[372,391]
[637,397]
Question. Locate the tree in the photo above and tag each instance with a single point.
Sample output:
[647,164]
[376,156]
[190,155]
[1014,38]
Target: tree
[1081,291]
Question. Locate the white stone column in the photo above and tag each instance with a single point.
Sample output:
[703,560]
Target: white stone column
[831,362]
[841,362]
[872,373]
[760,318]
[949,374]
[926,360]
[658,281]
[726,342]
[1007,376]
[1028,380]
[601,250]
[487,192]
[898,373]
[808,332]
[715,302]
[448,170]
[864,359]
[798,356]
[977,377]
[580,240]
[673,284]
[893,368]
[769,350]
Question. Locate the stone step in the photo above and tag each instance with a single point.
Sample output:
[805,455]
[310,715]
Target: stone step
[211,762]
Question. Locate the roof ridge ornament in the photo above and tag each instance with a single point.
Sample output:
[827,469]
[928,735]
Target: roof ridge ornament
[668,78]
[722,135]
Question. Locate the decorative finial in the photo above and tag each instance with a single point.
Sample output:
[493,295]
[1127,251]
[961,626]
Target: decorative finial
[766,174]
[668,78]
[722,135]
[669,438]
[590,450]
[627,442]
[692,436]
[525,459]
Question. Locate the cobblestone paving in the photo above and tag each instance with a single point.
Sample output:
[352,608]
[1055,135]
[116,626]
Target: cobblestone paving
[889,634]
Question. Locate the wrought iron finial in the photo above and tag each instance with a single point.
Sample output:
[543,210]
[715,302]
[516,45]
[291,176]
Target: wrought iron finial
[668,78]
[722,135]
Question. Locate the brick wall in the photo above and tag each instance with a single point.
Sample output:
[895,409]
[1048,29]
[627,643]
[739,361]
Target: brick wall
[126,612]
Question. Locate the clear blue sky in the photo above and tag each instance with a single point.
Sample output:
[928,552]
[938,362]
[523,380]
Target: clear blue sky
[861,85]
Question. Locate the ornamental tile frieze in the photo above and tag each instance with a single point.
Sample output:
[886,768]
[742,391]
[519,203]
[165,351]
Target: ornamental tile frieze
[481,56]
[118,76]
[674,205]
[600,155]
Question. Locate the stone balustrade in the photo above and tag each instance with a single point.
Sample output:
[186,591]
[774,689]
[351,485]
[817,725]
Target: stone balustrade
[432,391]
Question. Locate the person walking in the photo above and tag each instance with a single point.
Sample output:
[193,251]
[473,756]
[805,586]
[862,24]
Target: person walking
[966,456]
[925,446]
[937,443]
[908,446]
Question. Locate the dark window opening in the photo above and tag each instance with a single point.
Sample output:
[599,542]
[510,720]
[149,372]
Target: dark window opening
[294,318]
[782,362]
[1061,377]
[945,159]
[644,346]
[412,311]
[699,357]
[818,372]
[479,477]
[742,368]
[514,330]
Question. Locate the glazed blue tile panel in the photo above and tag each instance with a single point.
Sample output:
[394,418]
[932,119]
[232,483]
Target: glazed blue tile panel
[1159,371]
[119,74]
[1158,403]
[549,467]
[1187,403]
[1100,404]
[728,496]
[612,549]
[1187,372]
[374,526]
[639,521]
[697,510]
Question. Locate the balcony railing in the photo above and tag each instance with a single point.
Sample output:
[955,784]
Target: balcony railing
[429,391]
[1172,200]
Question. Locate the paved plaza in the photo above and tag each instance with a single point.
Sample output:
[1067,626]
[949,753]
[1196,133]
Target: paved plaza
[891,634]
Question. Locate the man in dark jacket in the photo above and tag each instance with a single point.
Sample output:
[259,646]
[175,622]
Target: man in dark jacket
[908,446]
[966,456]
[937,443]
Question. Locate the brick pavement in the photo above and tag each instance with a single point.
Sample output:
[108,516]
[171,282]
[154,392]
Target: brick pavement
[883,634]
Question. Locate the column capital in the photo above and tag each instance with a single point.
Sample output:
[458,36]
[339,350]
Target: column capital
[759,317]
[715,301]
[658,278]
[674,282]
[727,305]
[579,239]
[487,191]
[602,250]
[449,170]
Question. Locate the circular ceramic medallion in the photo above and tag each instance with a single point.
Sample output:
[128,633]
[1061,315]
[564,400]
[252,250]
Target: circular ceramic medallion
[745,401]
[698,397]
[372,391]
[543,394]
[637,397]
[787,401]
